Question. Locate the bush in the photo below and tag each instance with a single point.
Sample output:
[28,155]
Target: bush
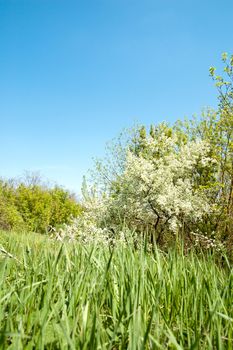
[158,192]
[35,207]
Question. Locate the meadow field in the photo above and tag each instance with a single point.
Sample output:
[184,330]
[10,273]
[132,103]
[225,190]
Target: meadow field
[70,296]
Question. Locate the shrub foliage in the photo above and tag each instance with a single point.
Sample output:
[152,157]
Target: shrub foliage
[35,206]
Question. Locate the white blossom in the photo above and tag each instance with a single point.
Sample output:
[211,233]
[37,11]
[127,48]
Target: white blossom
[158,185]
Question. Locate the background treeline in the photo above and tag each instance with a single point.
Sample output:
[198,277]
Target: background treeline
[31,205]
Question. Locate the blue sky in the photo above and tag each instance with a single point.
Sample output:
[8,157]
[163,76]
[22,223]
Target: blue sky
[74,73]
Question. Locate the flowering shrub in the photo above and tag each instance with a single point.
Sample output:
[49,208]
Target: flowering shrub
[175,180]
[207,243]
[158,188]
[157,192]
[86,227]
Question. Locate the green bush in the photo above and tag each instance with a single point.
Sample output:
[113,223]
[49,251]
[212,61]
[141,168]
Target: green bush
[35,207]
[10,217]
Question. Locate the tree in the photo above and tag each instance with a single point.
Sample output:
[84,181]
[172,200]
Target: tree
[175,179]
[158,191]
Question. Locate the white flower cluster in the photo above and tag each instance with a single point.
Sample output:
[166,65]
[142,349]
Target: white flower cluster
[205,242]
[87,227]
[158,188]
[159,184]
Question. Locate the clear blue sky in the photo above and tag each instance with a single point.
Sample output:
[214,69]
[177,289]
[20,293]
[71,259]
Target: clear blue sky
[73,73]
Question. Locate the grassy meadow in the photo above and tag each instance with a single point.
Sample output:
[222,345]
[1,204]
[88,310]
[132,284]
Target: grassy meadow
[69,296]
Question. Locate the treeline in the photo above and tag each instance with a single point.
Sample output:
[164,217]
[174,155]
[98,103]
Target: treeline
[31,205]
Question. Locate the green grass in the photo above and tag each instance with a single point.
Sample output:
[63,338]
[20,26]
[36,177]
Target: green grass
[55,296]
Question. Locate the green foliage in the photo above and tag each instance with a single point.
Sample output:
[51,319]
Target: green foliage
[64,207]
[224,84]
[71,296]
[216,128]
[35,207]
[9,215]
